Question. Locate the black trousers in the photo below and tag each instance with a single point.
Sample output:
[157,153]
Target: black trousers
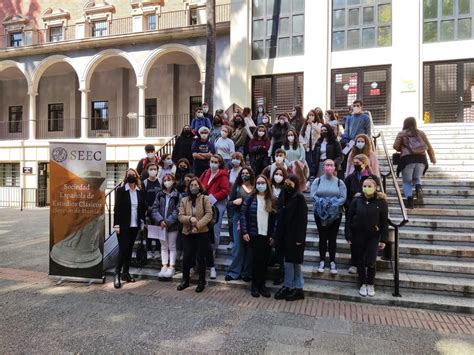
[260,249]
[126,240]
[366,246]
[328,238]
[195,247]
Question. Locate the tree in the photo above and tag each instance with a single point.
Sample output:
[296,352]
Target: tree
[210,54]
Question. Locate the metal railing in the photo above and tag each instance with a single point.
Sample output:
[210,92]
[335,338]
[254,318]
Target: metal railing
[22,197]
[119,26]
[12,130]
[164,125]
[122,127]
[395,257]
[58,128]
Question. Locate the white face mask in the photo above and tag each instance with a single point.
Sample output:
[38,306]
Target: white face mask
[152,173]
[278,179]
[310,118]
[279,160]
[224,134]
[204,136]
[205,109]
[150,155]
[260,109]
[356,110]
[261,133]
[200,115]
[265,120]
[293,113]
[291,139]
[168,183]
[360,145]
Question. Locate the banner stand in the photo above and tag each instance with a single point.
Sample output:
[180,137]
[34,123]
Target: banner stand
[61,279]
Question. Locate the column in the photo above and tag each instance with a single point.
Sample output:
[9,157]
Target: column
[32,115]
[203,91]
[84,113]
[141,111]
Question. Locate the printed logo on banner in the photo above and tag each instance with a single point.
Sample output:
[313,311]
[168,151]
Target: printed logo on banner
[59,154]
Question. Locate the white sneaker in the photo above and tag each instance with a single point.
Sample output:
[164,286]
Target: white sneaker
[333,269]
[163,272]
[321,267]
[213,273]
[370,290]
[191,271]
[352,270]
[170,272]
[363,290]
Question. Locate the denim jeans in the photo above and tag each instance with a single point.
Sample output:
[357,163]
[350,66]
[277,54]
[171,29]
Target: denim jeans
[309,160]
[221,206]
[241,265]
[412,176]
[293,276]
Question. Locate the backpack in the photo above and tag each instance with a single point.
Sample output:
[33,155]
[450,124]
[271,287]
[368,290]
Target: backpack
[416,144]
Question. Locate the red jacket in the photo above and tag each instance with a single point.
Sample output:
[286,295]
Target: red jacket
[219,185]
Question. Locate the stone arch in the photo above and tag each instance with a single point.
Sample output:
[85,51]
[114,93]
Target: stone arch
[47,63]
[21,67]
[168,48]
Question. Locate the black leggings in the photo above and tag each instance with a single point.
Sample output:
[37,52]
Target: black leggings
[195,246]
[365,247]
[260,249]
[126,240]
[328,238]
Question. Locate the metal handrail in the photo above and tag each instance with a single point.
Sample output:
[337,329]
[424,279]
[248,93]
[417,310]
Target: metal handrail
[396,253]
[167,148]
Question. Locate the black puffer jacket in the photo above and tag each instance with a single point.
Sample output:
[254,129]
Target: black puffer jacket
[158,210]
[367,217]
[248,218]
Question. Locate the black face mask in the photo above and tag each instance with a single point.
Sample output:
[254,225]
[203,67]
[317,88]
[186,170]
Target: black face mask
[324,134]
[131,179]
[358,168]
[289,189]
[187,132]
[245,177]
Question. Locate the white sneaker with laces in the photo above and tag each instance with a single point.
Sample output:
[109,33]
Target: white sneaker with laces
[163,271]
[170,272]
[370,290]
[333,269]
[363,290]
[352,270]
[213,273]
[321,267]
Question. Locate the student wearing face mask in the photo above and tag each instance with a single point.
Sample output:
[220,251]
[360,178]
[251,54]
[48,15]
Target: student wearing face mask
[258,149]
[329,195]
[183,145]
[331,118]
[260,114]
[239,136]
[129,217]
[266,121]
[164,214]
[291,236]
[293,148]
[225,145]
[195,213]
[280,162]
[216,182]
[309,136]
[202,151]
[363,146]
[166,167]
[200,121]
[150,158]
[297,119]
[151,186]
[237,163]
[205,111]
[241,266]
[278,132]
[327,147]
[216,129]
[183,168]
[257,225]
[367,230]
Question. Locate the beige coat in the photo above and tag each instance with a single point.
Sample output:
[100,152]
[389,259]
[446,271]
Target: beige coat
[401,142]
[203,214]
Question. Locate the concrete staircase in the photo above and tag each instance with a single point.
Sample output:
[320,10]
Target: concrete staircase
[436,246]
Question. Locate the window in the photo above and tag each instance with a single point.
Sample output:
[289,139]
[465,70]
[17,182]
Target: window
[277,28]
[150,113]
[9,174]
[447,20]
[151,22]
[115,173]
[100,115]
[55,117]
[99,29]
[361,24]
[15,119]
[278,93]
[55,34]
[370,84]
[16,39]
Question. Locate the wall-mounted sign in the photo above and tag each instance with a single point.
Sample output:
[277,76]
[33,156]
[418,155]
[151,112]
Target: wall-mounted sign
[27,170]
[408,86]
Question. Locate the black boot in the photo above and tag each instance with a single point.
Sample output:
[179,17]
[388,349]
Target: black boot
[409,202]
[254,291]
[201,285]
[281,293]
[295,294]
[183,285]
[419,194]
[117,283]
[264,291]
[127,277]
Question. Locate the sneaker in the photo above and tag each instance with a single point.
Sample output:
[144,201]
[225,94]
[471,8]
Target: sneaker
[352,270]
[333,269]
[191,271]
[295,294]
[370,290]
[170,272]
[363,290]
[213,273]
[163,272]
[281,293]
[321,267]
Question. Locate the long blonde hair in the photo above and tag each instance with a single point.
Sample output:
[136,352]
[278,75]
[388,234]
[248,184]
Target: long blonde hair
[365,160]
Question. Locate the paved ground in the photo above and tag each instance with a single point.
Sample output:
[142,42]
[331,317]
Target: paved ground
[39,317]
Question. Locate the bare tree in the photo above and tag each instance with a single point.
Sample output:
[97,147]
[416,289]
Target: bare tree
[210,54]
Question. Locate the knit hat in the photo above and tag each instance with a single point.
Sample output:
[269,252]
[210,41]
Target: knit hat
[202,129]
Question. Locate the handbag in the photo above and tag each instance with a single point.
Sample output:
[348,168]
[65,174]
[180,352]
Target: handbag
[215,216]
[396,158]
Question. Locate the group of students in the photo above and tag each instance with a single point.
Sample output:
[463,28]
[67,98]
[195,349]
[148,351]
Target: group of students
[207,175]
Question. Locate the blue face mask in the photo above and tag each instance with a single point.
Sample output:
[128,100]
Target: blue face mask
[360,145]
[235,162]
[169,162]
[214,166]
[261,187]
